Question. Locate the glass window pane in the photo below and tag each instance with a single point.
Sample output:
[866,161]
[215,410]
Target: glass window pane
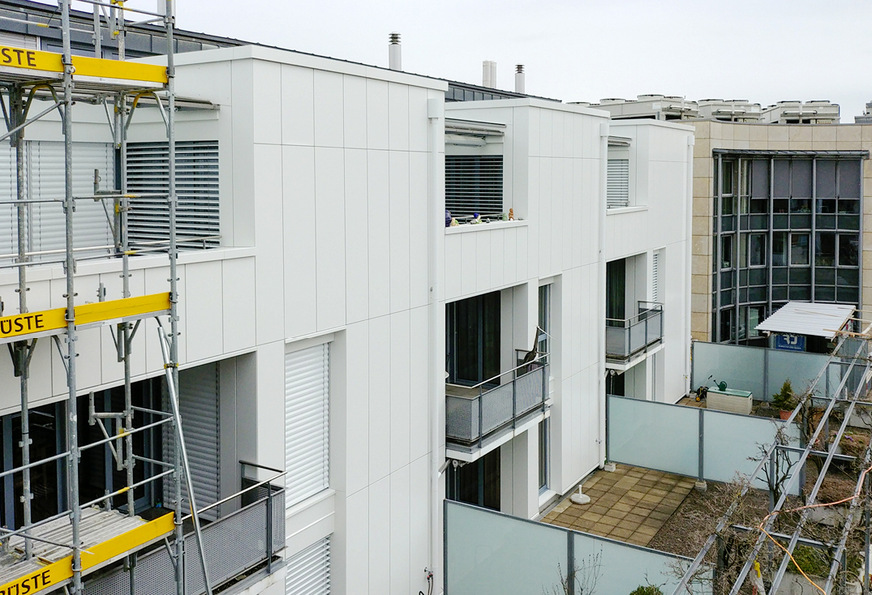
[779,248]
[799,249]
[781,178]
[760,178]
[825,179]
[726,252]
[848,244]
[727,180]
[800,183]
[757,249]
[825,249]
[849,179]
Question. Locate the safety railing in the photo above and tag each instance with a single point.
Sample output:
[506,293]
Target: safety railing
[626,337]
[256,530]
[475,413]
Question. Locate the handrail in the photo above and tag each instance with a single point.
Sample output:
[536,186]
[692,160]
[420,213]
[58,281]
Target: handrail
[501,374]
[241,492]
[626,322]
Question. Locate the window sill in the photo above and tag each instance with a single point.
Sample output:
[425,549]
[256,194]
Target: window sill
[622,210]
[473,227]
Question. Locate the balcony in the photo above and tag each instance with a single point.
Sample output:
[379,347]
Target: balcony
[629,340]
[488,413]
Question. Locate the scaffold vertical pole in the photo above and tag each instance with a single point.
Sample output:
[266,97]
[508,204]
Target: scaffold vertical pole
[22,363]
[70,267]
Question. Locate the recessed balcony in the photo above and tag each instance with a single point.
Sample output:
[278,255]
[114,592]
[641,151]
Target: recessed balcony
[631,339]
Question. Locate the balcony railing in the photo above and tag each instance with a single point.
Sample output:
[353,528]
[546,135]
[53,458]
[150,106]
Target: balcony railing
[474,413]
[627,337]
[237,543]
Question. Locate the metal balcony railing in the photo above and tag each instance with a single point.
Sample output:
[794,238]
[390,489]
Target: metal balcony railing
[477,412]
[237,543]
[627,337]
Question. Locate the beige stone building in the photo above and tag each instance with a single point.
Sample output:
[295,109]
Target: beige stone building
[780,212]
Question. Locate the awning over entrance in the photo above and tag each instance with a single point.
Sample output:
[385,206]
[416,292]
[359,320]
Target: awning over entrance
[816,320]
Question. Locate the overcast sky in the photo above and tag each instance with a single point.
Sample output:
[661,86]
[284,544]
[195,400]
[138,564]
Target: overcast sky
[575,50]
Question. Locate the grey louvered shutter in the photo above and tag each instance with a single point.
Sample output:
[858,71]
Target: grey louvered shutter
[655,276]
[46,165]
[198,406]
[307,389]
[197,220]
[308,572]
[618,183]
[474,184]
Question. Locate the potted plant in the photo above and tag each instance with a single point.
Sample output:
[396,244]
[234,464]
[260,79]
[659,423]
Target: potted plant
[784,399]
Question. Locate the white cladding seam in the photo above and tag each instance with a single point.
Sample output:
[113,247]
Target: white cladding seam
[307,390]
[618,184]
[308,572]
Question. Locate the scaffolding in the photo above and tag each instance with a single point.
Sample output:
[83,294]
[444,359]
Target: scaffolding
[89,534]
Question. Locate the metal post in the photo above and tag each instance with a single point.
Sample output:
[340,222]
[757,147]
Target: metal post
[70,266]
[269,528]
[866,539]
[700,446]
[570,563]
[22,364]
[514,398]
[480,418]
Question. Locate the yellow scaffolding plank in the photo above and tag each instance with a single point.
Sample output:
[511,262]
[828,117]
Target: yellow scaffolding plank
[23,326]
[50,62]
[56,573]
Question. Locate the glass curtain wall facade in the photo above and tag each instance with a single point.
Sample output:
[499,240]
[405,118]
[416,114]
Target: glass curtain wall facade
[786,227]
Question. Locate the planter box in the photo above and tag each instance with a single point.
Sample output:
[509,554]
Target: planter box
[732,400]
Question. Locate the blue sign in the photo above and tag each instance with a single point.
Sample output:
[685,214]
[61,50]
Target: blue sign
[790,342]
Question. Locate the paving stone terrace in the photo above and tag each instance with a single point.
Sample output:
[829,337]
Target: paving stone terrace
[630,504]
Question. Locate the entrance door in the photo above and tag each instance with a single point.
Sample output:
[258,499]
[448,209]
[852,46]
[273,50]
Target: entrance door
[478,482]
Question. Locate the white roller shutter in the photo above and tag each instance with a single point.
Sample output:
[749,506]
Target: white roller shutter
[45,165]
[307,392]
[198,406]
[655,276]
[8,191]
[618,183]
[308,572]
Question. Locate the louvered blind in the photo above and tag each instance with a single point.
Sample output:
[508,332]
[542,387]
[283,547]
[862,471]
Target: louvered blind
[655,276]
[197,221]
[618,184]
[8,213]
[474,184]
[308,573]
[46,181]
[307,391]
[198,406]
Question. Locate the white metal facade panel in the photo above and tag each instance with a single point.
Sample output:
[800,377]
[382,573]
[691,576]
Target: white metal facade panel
[307,390]
[308,572]
[198,406]
[618,183]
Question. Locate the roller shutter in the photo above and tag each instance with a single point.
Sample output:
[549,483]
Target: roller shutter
[307,392]
[309,571]
[618,183]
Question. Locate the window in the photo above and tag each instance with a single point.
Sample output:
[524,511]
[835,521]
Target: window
[618,181]
[848,250]
[757,249]
[543,455]
[197,221]
[474,184]
[543,340]
[727,252]
[728,325]
[472,338]
[799,249]
[825,249]
[308,572]
[779,249]
[307,394]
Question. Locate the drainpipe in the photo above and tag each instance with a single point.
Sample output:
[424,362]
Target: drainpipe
[601,285]
[436,330]
[688,264]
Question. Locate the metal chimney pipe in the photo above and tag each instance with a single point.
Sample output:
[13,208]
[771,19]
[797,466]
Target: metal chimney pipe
[489,74]
[395,57]
[520,82]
